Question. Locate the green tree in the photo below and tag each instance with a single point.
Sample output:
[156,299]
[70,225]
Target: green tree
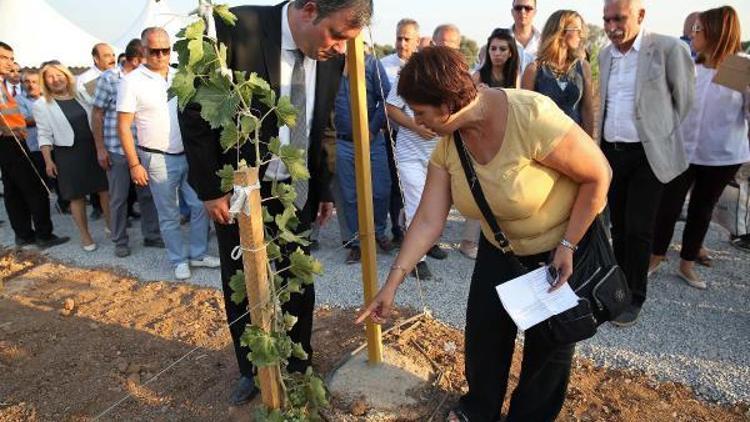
[382,50]
[595,41]
[470,50]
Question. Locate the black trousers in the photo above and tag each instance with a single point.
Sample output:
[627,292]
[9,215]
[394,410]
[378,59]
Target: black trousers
[634,197]
[490,341]
[26,199]
[397,203]
[707,183]
[300,305]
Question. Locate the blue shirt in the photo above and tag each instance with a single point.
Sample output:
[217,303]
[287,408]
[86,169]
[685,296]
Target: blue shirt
[377,88]
[26,104]
[105,98]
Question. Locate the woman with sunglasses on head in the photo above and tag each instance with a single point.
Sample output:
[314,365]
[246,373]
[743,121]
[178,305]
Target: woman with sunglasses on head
[501,63]
[561,71]
[715,137]
[545,182]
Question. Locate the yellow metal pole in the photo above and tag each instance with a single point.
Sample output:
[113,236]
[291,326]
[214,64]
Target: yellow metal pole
[355,62]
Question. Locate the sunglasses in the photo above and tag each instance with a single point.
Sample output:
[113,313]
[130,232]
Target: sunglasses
[159,51]
[697,27]
[519,8]
[615,19]
[570,30]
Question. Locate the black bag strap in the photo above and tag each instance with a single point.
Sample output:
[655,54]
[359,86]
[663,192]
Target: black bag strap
[476,191]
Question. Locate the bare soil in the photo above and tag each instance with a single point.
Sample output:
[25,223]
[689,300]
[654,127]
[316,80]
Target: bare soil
[75,341]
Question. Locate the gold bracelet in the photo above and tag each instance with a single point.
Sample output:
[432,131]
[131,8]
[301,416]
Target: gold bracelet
[398,267]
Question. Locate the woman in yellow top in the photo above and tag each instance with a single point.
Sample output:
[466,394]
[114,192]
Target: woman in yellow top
[545,181]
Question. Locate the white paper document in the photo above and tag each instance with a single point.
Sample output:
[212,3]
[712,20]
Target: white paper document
[528,302]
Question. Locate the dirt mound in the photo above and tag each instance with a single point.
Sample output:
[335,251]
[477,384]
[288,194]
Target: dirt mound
[73,342]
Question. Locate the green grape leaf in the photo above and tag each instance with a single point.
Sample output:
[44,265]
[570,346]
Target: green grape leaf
[289,322]
[260,86]
[283,344]
[274,145]
[273,251]
[195,30]
[248,124]
[218,102]
[294,160]
[284,296]
[183,87]
[286,112]
[229,138]
[299,352]
[263,414]
[209,61]
[317,395]
[222,11]
[294,285]
[227,178]
[267,217]
[285,193]
[287,220]
[263,346]
[304,266]
[183,53]
[196,52]
[237,284]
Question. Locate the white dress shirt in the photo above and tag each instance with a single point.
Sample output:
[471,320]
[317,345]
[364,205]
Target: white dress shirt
[531,48]
[392,64]
[144,93]
[619,123]
[276,169]
[715,131]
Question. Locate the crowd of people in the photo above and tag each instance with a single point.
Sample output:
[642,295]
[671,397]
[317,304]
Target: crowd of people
[550,156]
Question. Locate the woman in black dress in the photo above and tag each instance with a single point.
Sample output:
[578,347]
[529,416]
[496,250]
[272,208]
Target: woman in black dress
[67,144]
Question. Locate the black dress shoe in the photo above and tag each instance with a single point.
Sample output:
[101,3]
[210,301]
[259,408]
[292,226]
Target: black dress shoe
[244,391]
[421,271]
[21,242]
[154,243]
[51,241]
[437,253]
[628,317]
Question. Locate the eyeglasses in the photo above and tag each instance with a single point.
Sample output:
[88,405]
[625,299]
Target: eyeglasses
[159,51]
[521,7]
[615,19]
[697,27]
[570,30]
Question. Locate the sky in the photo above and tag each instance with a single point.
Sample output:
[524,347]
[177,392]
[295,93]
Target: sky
[108,19]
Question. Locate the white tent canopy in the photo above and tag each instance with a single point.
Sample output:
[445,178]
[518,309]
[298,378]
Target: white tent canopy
[52,36]
[154,14]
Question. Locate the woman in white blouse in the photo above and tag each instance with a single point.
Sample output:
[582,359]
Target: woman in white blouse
[67,144]
[715,137]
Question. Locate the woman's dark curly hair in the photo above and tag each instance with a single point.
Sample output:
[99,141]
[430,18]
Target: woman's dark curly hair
[437,76]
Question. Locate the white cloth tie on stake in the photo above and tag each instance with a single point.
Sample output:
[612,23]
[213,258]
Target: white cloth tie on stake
[206,11]
[240,202]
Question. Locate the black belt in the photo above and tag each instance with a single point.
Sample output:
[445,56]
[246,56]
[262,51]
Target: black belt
[623,146]
[156,151]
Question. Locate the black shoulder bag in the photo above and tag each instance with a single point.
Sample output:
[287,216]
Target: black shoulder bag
[597,279]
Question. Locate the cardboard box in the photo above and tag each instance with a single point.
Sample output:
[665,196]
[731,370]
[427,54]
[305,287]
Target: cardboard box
[734,73]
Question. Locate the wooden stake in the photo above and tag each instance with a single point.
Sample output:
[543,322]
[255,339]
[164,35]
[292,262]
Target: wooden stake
[355,61]
[255,263]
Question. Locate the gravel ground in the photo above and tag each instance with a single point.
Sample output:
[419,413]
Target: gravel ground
[700,338]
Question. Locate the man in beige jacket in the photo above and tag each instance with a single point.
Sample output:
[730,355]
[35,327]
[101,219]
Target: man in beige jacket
[647,84]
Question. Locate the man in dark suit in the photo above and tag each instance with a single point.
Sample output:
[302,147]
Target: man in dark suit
[297,47]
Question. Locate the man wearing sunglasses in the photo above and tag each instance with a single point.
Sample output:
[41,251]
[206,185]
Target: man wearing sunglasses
[647,87]
[526,35]
[157,159]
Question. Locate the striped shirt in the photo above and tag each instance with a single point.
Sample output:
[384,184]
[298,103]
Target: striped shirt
[105,98]
[12,118]
[409,145]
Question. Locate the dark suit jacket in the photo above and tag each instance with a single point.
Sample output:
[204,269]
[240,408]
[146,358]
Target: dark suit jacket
[254,45]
